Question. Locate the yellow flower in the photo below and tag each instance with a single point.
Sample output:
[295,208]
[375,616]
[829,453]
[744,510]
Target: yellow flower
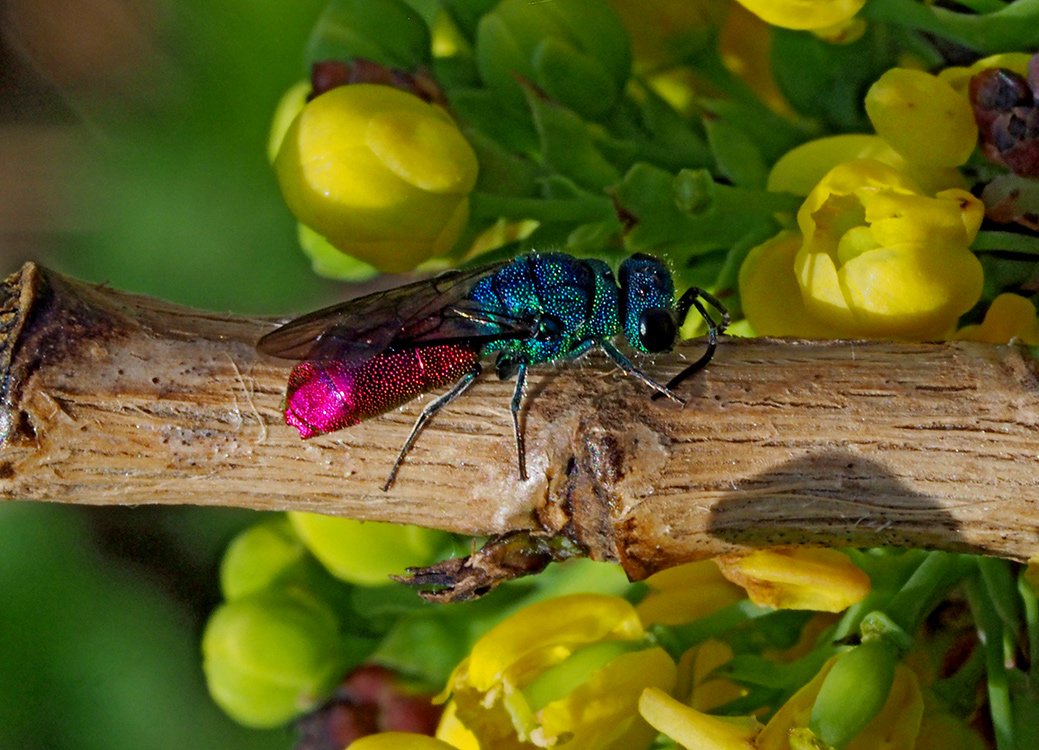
[879,258]
[895,727]
[685,593]
[694,729]
[380,173]
[922,117]
[454,732]
[1010,317]
[399,741]
[817,579]
[565,672]
[803,14]
[770,293]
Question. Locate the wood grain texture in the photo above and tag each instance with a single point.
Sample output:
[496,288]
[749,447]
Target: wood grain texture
[110,398]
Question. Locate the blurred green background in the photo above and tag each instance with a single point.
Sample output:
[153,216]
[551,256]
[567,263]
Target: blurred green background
[132,152]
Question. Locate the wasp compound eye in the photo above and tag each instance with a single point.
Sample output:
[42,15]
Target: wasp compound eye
[657,330]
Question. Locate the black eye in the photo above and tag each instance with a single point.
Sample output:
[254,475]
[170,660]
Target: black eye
[657,330]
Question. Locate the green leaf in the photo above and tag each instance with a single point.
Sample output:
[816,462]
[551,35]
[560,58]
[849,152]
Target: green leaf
[653,199]
[467,14]
[1007,242]
[573,78]
[828,81]
[481,109]
[567,146]
[736,154]
[593,239]
[771,134]
[386,31]
[502,171]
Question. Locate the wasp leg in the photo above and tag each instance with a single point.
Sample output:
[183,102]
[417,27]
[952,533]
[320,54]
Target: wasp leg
[517,403]
[625,364]
[692,298]
[431,408]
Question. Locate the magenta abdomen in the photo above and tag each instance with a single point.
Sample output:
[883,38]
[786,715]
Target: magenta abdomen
[327,395]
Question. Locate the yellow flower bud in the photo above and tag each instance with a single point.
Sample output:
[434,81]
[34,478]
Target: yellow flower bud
[800,169]
[823,580]
[380,173]
[922,117]
[365,553]
[1010,317]
[895,728]
[288,108]
[399,741]
[803,14]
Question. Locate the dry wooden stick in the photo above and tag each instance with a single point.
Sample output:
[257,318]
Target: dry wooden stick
[109,398]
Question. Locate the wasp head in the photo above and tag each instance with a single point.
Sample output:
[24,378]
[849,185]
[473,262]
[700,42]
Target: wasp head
[647,304]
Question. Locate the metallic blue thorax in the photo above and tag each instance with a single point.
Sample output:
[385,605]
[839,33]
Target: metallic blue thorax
[573,302]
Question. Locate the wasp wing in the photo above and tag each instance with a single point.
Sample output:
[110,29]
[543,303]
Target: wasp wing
[425,313]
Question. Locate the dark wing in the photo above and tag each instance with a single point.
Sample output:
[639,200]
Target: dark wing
[425,313]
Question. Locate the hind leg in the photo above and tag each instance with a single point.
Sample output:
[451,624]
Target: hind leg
[431,408]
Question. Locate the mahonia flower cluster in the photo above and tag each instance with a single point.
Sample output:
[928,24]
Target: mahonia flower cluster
[736,141]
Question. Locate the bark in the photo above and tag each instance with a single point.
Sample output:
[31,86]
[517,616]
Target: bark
[111,398]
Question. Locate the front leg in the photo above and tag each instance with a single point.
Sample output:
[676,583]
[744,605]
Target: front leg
[626,364]
[506,366]
[517,403]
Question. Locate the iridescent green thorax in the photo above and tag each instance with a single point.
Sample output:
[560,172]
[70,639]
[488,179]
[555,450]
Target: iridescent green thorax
[573,301]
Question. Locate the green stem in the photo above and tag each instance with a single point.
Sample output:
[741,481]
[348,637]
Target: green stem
[1007,242]
[1001,586]
[1013,27]
[984,6]
[1030,607]
[680,638]
[930,582]
[991,632]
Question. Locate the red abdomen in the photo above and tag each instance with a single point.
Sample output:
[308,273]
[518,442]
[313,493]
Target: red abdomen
[327,395]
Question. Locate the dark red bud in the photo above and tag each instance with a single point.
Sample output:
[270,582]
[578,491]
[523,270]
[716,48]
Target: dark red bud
[370,699]
[326,75]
